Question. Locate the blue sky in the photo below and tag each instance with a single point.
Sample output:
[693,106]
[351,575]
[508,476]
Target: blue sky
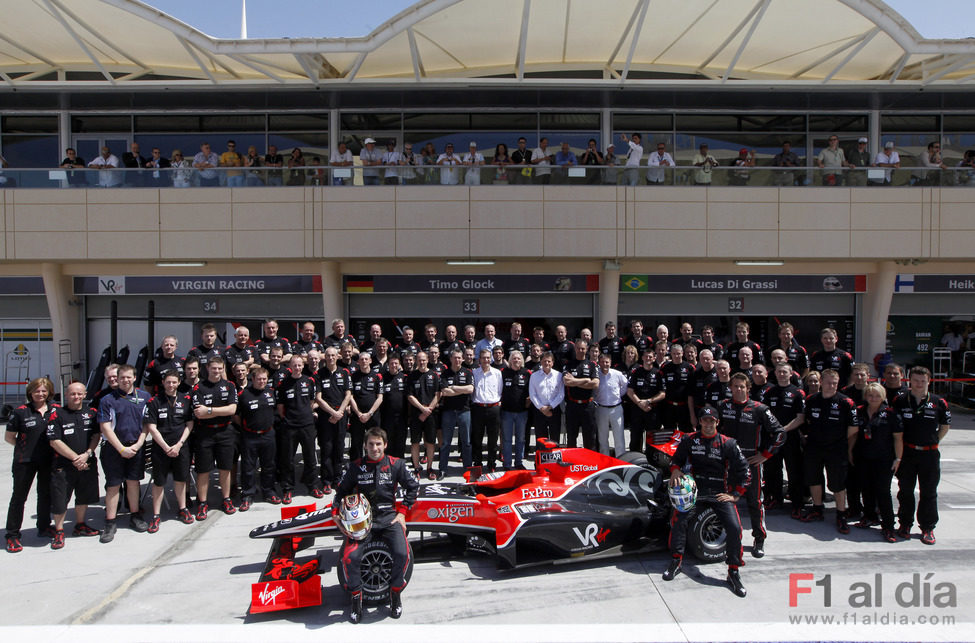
[348,18]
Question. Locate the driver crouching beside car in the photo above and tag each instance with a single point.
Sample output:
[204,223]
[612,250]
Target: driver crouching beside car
[720,477]
[370,513]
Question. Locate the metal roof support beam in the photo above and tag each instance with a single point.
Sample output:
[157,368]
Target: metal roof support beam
[819,61]
[134,75]
[737,30]
[199,61]
[35,74]
[81,43]
[523,40]
[30,52]
[309,71]
[101,37]
[418,71]
[626,32]
[898,67]
[361,58]
[863,43]
[636,38]
[6,78]
[244,60]
[744,42]
[962,61]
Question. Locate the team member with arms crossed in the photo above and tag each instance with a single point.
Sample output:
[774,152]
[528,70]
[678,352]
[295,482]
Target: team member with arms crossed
[295,402]
[423,394]
[169,420]
[214,404]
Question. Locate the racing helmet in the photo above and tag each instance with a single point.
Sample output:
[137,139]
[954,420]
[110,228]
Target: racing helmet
[355,516]
[683,495]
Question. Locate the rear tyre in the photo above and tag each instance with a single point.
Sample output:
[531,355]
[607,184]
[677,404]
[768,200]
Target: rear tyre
[706,537]
[634,457]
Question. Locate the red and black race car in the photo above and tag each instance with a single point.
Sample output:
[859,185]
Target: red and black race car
[575,504]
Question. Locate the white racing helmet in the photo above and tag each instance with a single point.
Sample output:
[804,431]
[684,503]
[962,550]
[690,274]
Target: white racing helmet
[355,516]
[683,495]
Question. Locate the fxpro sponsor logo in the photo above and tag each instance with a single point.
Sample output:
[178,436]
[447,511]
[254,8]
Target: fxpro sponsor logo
[452,513]
[533,493]
[582,468]
[269,596]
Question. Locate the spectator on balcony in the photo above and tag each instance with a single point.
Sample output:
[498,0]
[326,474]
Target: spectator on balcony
[741,174]
[206,161]
[704,162]
[252,162]
[316,173]
[132,161]
[296,164]
[832,159]
[785,158]
[105,164]
[473,160]
[158,164]
[371,159]
[542,160]
[610,160]
[182,170]
[657,164]
[521,159]
[592,159]
[391,159]
[932,161]
[501,160]
[859,160]
[888,159]
[341,157]
[449,174]
[232,158]
[633,159]
[275,161]
[564,159]
[429,157]
[409,161]
[966,176]
[74,162]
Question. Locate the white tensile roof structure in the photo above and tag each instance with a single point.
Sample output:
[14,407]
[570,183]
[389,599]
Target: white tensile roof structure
[591,42]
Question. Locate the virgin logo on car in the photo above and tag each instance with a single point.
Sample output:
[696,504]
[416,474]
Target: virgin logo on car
[536,492]
[269,596]
[576,468]
[452,513]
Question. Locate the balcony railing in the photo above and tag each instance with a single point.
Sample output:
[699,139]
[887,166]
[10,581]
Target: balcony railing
[460,174]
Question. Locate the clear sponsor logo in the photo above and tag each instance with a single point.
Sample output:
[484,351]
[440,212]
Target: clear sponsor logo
[452,513]
[549,457]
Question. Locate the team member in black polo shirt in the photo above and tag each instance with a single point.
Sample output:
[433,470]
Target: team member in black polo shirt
[675,376]
[207,347]
[111,383]
[759,435]
[191,375]
[686,337]
[295,403]
[612,345]
[832,357]
[877,453]
[795,354]
[638,339]
[338,336]
[27,432]
[73,435]
[830,421]
[893,382]
[423,395]
[169,420]
[334,397]
[307,342]
[407,344]
[456,386]
[369,344]
[708,342]
[514,410]
[123,459]
[581,378]
[241,352]
[564,350]
[646,391]
[741,340]
[787,402]
[214,404]
[926,420]
[517,342]
[272,340]
[166,360]
[367,398]
[450,344]
[256,411]
[697,384]
[720,389]
[394,411]
[429,338]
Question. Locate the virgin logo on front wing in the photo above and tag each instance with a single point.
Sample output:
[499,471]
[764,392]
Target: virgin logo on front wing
[269,596]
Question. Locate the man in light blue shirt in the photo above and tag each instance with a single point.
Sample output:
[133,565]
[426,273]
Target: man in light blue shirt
[609,410]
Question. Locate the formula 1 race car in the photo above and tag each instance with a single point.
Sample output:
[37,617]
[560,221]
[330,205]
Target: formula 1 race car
[575,504]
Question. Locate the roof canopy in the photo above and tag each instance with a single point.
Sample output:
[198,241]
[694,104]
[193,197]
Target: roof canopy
[791,42]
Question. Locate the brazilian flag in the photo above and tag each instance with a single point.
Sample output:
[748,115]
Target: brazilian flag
[633,283]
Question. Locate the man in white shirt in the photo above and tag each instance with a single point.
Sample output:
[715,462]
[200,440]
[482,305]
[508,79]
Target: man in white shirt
[609,409]
[391,159]
[489,341]
[341,157]
[473,160]
[486,411]
[633,159]
[546,392]
[657,164]
[106,163]
[888,158]
[449,175]
[542,160]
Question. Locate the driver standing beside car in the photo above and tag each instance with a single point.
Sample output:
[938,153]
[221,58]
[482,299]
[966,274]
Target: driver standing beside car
[722,475]
[377,477]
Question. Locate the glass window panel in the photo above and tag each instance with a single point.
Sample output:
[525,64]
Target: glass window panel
[910,123]
[568,121]
[29,125]
[232,123]
[298,122]
[168,123]
[311,144]
[741,122]
[112,123]
[32,150]
[725,148]
[838,123]
[505,121]
[959,122]
[435,121]
[378,121]
[189,142]
[643,122]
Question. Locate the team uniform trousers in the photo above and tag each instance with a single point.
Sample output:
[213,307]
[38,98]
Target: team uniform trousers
[485,418]
[163,464]
[875,477]
[351,557]
[513,426]
[580,417]
[548,427]
[922,469]
[358,428]
[460,420]
[67,480]
[834,457]
[289,439]
[24,474]
[259,449]
[395,423]
[727,512]
[331,443]
[791,455]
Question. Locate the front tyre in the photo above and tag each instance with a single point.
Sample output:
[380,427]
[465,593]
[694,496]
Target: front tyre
[706,537]
[376,567]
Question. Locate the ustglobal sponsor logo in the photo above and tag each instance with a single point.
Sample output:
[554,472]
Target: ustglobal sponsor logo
[917,590]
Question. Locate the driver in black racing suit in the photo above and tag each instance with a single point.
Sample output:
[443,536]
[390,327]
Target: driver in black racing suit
[377,476]
[722,475]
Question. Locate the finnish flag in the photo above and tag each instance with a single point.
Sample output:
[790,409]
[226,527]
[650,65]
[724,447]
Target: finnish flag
[904,283]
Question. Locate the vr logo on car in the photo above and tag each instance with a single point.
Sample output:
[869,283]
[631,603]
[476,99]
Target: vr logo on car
[593,536]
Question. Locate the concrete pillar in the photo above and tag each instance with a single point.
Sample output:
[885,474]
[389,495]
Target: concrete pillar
[876,309]
[64,314]
[332,294]
[609,296]
[874,124]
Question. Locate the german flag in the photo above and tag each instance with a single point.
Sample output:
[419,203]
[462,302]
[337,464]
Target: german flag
[359,284]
